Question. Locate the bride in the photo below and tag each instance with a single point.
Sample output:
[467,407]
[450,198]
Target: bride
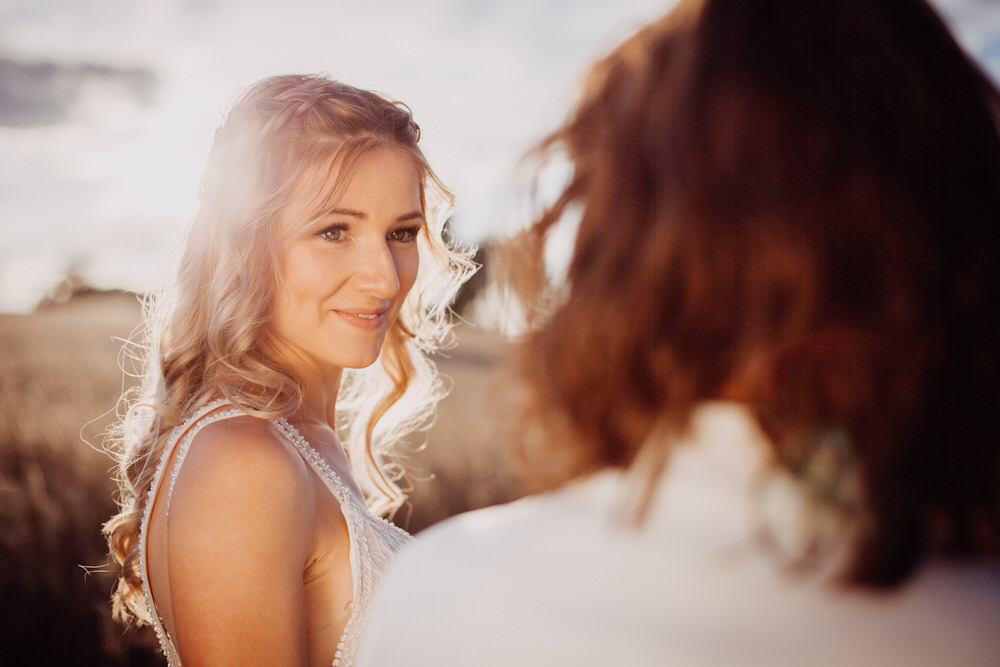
[248,530]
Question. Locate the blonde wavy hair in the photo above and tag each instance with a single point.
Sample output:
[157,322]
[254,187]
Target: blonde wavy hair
[207,337]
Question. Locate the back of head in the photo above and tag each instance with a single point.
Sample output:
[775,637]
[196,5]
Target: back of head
[794,205]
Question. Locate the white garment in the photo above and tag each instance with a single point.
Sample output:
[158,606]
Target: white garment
[560,579]
[374,540]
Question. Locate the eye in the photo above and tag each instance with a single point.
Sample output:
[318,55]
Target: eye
[404,234]
[333,232]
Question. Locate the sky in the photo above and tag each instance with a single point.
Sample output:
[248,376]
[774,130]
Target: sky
[107,107]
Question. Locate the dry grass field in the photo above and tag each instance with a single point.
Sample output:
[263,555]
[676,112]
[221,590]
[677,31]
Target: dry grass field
[59,375]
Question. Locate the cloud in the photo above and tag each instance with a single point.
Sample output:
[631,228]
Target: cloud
[37,94]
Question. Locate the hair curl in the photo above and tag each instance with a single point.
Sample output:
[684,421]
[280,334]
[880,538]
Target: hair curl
[795,205]
[207,336]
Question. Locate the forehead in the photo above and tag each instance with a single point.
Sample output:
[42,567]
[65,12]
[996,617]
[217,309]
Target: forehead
[381,178]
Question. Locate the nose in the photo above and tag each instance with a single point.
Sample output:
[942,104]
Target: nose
[377,272]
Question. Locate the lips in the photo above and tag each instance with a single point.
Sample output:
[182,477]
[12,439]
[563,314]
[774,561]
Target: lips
[363,319]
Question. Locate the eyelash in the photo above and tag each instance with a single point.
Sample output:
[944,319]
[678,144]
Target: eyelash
[410,233]
[332,229]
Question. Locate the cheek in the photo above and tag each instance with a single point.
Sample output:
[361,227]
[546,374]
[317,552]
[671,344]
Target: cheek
[407,265]
[303,276]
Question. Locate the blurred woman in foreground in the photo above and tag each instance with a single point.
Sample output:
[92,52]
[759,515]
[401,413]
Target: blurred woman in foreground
[769,386]
[301,269]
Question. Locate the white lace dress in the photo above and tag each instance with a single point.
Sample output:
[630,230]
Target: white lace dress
[374,540]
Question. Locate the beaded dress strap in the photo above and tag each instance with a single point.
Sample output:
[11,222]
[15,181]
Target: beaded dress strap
[188,430]
[362,527]
[344,498]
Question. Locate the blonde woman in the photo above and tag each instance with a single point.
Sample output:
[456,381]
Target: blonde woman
[249,531]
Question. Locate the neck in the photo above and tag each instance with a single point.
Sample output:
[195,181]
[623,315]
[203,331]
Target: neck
[319,402]
[320,386]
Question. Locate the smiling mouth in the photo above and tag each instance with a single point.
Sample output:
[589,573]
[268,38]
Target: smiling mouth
[363,320]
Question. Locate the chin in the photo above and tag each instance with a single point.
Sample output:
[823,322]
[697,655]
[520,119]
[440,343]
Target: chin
[361,365]
[362,360]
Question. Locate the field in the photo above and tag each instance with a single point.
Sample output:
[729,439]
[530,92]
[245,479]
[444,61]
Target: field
[59,378]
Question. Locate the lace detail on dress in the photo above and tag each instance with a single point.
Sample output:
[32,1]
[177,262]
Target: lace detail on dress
[374,540]
[373,543]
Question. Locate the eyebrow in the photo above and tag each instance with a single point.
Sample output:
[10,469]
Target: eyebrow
[361,215]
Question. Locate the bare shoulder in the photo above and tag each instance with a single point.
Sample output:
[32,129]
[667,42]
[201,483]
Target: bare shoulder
[242,466]
[242,529]
[245,449]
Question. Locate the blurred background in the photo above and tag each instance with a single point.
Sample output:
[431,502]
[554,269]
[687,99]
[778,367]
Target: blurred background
[107,109]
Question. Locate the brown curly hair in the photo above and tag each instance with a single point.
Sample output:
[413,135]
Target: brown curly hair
[794,205]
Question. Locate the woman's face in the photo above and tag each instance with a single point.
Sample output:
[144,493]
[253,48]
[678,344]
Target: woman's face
[346,270]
